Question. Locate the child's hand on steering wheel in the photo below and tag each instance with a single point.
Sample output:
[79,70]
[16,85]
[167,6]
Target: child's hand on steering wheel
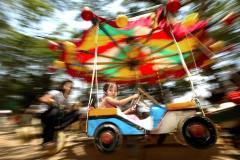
[135,96]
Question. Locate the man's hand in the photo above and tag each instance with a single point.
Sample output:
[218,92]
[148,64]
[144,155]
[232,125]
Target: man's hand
[48,99]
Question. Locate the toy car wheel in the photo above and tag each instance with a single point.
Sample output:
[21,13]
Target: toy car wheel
[199,132]
[107,138]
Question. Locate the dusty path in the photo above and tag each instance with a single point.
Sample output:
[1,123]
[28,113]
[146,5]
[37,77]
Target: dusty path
[80,147]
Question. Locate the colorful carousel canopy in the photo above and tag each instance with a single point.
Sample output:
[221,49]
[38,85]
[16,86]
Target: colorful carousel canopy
[141,49]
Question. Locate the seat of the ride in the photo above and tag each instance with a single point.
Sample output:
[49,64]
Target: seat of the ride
[181,106]
[96,112]
[146,123]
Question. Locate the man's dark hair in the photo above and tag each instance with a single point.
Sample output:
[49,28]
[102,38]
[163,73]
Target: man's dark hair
[63,83]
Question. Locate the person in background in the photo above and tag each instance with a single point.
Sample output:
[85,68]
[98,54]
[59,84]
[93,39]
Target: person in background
[58,115]
[234,95]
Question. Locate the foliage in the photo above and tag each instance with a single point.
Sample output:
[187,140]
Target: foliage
[23,68]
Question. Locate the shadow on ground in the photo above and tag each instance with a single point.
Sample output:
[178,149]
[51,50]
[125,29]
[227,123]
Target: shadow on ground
[80,147]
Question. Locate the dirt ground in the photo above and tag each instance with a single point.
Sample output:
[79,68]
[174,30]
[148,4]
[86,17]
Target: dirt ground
[78,146]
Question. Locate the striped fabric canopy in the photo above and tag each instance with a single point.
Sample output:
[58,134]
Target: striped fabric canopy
[143,51]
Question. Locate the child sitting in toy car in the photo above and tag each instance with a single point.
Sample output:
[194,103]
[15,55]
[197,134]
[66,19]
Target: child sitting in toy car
[109,99]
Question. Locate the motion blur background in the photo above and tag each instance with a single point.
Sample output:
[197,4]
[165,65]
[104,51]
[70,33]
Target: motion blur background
[27,25]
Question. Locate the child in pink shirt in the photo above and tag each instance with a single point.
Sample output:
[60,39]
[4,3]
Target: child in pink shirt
[110,101]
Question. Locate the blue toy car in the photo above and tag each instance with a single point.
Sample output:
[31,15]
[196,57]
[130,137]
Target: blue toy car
[108,126]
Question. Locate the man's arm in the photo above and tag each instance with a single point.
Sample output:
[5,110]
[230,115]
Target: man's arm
[47,99]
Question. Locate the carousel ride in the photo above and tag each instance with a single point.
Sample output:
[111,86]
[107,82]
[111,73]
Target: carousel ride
[149,48]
